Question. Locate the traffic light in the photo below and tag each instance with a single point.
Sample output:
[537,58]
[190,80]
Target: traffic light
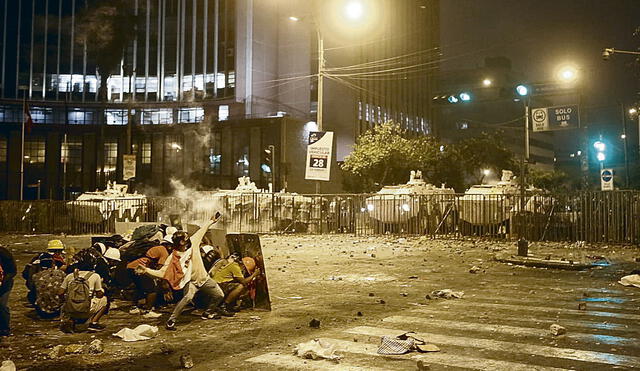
[600,148]
[453,98]
[267,159]
[522,90]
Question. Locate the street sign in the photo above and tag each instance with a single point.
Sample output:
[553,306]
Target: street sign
[606,180]
[129,167]
[319,153]
[555,118]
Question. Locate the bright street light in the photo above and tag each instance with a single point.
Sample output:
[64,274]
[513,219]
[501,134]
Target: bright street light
[465,97]
[354,10]
[623,136]
[486,172]
[601,157]
[487,82]
[294,18]
[632,111]
[568,74]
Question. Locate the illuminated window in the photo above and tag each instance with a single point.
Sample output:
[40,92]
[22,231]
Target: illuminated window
[110,155]
[116,117]
[34,151]
[215,154]
[223,113]
[77,116]
[71,154]
[41,115]
[146,152]
[3,149]
[191,115]
[157,116]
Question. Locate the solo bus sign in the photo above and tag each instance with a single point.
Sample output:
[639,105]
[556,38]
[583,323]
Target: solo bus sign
[555,118]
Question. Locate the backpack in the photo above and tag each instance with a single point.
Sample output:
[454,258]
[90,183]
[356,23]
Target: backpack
[135,250]
[77,303]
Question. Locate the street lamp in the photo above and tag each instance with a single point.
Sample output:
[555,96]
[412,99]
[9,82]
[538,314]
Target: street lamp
[487,82]
[567,74]
[354,10]
[608,52]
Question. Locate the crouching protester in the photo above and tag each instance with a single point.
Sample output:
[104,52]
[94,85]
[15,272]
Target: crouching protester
[54,253]
[184,270]
[47,284]
[228,274]
[84,300]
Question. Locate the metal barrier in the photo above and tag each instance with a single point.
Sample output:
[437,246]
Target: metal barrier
[586,216]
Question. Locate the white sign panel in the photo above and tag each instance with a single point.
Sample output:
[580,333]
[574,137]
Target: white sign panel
[319,155]
[606,179]
[129,167]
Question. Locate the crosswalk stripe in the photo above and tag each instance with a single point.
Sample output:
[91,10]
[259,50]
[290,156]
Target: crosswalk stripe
[510,330]
[591,302]
[529,308]
[448,359]
[513,347]
[537,320]
[297,363]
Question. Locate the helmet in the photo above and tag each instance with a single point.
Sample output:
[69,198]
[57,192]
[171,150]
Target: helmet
[169,232]
[249,263]
[55,245]
[102,248]
[112,253]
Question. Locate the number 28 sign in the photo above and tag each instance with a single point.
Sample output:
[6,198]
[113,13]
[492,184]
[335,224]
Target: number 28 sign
[319,152]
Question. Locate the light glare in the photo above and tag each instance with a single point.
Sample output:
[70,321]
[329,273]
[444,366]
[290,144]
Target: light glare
[354,10]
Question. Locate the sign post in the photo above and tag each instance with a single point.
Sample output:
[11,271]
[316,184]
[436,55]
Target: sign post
[319,153]
[606,180]
[555,118]
[129,167]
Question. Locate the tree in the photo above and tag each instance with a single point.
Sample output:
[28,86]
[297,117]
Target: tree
[106,30]
[484,152]
[381,156]
[553,181]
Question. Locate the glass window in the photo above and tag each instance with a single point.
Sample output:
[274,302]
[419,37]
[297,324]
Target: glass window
[215,153]
[157,116]
[71,154]
[116,117]
[41,115]
[3,149]
[146,152]
[78,116]
[34,151]
[223,113]
[110,155]
[191,115]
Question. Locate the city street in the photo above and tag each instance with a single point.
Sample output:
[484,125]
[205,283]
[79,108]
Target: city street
[361,288]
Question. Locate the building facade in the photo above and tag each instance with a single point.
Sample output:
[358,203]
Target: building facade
[195,89]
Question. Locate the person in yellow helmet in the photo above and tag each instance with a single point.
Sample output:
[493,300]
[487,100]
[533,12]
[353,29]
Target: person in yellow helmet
[55,253]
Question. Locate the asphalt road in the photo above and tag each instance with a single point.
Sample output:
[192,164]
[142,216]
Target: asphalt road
[501,323]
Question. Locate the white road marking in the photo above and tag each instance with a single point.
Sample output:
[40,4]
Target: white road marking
[505,346]
[447,359]
[297,363]
[538,321]
[529,308]
[511,330]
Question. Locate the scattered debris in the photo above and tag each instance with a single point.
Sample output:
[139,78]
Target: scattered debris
[446,294]
[405,343]
[413,277]
[56,352]
[316,349]
[8,366]
[475,269]
[95,347]
[186,361]
[142,332]
[557,330]
[314,323]
[630,280]
[382,301]
[359,314]
[404,294]
[166,349]
[371,294]
[73,348]
[582,306]
[422,366]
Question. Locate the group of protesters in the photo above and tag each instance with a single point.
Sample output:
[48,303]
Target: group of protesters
[157,266]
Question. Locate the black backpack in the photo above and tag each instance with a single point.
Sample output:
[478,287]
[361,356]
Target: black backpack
[144,231]
[135,249]
[77,299]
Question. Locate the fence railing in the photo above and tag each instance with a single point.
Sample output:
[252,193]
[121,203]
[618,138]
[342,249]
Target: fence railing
[585,216]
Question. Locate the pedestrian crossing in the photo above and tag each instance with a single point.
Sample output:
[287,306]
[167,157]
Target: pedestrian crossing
[477,333]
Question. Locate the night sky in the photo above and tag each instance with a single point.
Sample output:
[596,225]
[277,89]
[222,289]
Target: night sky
[537,35]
